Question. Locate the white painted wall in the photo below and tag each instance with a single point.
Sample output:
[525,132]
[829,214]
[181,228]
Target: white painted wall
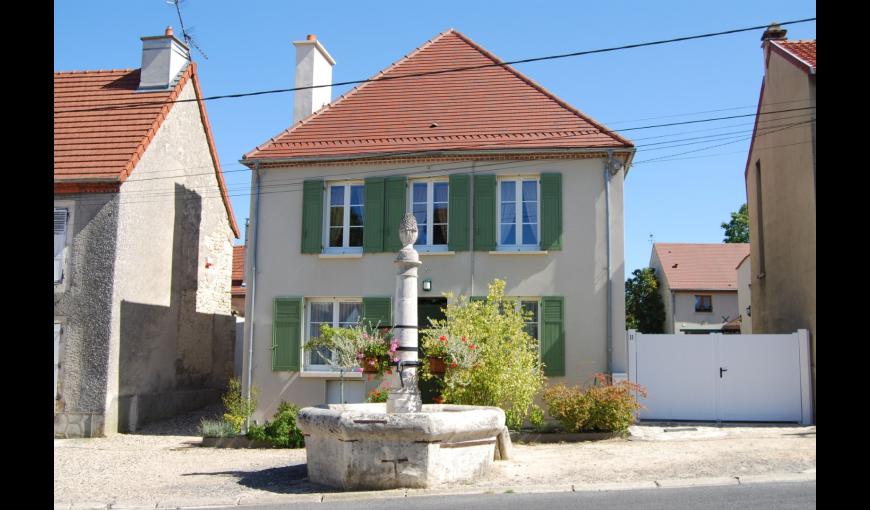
[313,67]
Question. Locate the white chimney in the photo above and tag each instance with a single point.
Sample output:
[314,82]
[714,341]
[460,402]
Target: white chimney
[163,57]
[313,67]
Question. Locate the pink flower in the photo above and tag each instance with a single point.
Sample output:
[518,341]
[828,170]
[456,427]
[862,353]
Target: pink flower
[395,360]
[394,346]
[360,355]
[371,362]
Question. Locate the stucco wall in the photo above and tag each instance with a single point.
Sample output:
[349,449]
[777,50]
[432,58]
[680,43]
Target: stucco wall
[724,304]
[744,295]
[784,298]
[577,272]
[82,303]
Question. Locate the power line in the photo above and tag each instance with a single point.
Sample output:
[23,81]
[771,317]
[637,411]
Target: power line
[443,71]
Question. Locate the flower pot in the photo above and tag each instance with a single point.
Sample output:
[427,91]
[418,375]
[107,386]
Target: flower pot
[371,365]
[437,366]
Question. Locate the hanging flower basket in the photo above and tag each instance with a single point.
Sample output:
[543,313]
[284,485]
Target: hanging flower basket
[436,365]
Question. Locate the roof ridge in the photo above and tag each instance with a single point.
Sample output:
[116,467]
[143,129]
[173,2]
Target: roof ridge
[97,71]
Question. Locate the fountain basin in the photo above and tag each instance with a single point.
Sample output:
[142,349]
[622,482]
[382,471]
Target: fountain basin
[361,446]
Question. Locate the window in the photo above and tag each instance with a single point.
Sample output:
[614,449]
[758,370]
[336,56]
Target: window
[703,303]
[336,313]
[532,323]
[429,205]
[61,214]
[344,232]
[518,214]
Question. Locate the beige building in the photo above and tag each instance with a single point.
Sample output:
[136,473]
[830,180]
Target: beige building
[781,191]
[744,295]
[698,284]
[505,180]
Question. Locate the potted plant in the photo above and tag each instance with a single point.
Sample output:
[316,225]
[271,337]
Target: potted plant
[445,350]
[376,349]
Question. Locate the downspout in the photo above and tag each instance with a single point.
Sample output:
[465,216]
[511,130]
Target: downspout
[252,314]
[607,166]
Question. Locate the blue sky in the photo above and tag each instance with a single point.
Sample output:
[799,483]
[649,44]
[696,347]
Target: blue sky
[249,48]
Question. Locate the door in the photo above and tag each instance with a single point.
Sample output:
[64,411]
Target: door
[429,308]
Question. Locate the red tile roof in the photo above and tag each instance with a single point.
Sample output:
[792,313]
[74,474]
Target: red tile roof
[804,51]
[238,270]
[95,151]
[701,266]
[489,108]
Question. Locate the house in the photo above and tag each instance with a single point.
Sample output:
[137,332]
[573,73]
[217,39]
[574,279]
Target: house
[744,294]
[238,281]
[505,179]
[143,232]
[698,285]
[781,191]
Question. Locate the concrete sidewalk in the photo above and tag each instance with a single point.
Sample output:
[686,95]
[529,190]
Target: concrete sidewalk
[154,471]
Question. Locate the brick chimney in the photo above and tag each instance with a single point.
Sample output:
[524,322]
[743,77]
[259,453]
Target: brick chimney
[313,67]
[163,57]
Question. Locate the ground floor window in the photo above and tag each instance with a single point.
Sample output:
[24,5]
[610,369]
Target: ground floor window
[337,312]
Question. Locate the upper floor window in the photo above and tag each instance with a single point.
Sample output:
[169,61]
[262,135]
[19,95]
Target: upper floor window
[345,219]
[429,205]
[703,303]
[341,312]
[518,213]
[61,214]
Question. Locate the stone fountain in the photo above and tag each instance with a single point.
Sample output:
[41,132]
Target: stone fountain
[402,443]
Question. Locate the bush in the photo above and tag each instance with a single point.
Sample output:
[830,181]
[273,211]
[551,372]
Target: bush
[238,408]
[282,431]
[602,407]
[378,395]
[536,418]
[216,428]
[507,373]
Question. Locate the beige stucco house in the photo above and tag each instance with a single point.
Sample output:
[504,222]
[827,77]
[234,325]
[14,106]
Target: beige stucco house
[698,284]
[781,191]
[505,180]
[143,232]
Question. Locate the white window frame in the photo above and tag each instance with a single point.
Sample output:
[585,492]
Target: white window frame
[327,204]
[430,207]
[518,218]
[69,205]
[306,360]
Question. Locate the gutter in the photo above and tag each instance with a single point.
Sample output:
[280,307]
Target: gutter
[252,309]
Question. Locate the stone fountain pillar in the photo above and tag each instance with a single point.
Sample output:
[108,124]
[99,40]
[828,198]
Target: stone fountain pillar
[404,395]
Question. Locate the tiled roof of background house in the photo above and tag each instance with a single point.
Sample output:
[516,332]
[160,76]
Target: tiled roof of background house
[238,271]
[701,266]
[493,107]
[103,146]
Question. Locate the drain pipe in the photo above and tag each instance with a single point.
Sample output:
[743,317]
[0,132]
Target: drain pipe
[252,314]
[607,166]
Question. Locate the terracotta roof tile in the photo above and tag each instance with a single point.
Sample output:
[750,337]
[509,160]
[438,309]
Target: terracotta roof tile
[701,266]
[489,108]
[803,50]
[238,263]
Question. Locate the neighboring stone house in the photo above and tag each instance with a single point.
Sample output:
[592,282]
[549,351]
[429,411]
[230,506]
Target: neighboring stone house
[238,283]
[781,191]
[505,179]
[698,285]
[143,231]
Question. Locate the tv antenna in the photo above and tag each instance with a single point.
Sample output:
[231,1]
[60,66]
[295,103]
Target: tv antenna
[184,33]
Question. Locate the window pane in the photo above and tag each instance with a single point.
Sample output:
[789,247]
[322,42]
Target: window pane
[439,233]
[509,212]
[420,213]
[440,192]
[508,191]
[439,213]
[530,212]
[357,195]
[509,234]
[532,330]
[336,216]
[420,192]
[349,313]
[530,191]
[355,237]
[530,306]
[356,215]
[320,355]
[335,236]
[421,234]
[321,312]
[530,234]
[337,195]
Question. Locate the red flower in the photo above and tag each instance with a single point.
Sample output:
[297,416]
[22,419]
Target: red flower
[453,365]
[442,338]
[463,339]
[471,346]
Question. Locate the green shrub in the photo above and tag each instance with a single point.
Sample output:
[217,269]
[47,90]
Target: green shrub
[378,395]
[216,428]
[237,407]
[536,418]
[507,373]
[602,407]
[282,431]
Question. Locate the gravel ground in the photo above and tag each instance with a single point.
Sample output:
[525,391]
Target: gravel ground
[164,465]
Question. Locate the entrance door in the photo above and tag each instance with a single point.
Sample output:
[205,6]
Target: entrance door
[429,308]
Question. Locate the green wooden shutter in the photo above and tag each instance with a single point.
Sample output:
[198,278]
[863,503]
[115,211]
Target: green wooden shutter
[312,216]
[373,229]
[394,210]
[286,334]
[378,310]
[553,335]
[551,211]
[484,212]
[457,215]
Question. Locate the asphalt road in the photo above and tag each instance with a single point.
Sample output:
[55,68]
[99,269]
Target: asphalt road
[774,496]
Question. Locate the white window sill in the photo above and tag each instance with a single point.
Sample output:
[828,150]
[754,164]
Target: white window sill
[519,252]
[428,253]
[329,374]
[340,255]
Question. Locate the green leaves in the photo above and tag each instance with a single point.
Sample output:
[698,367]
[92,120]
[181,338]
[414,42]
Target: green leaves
[644,308]
[737,230]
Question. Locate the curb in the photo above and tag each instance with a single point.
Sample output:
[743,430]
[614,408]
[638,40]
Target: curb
[275,499]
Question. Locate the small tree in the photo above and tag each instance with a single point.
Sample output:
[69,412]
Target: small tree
[644,308]
[737,230]
[238,408]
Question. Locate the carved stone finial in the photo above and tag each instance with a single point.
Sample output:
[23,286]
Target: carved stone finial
[408,229]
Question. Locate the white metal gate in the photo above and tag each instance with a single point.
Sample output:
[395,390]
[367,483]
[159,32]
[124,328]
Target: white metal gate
[722,377]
